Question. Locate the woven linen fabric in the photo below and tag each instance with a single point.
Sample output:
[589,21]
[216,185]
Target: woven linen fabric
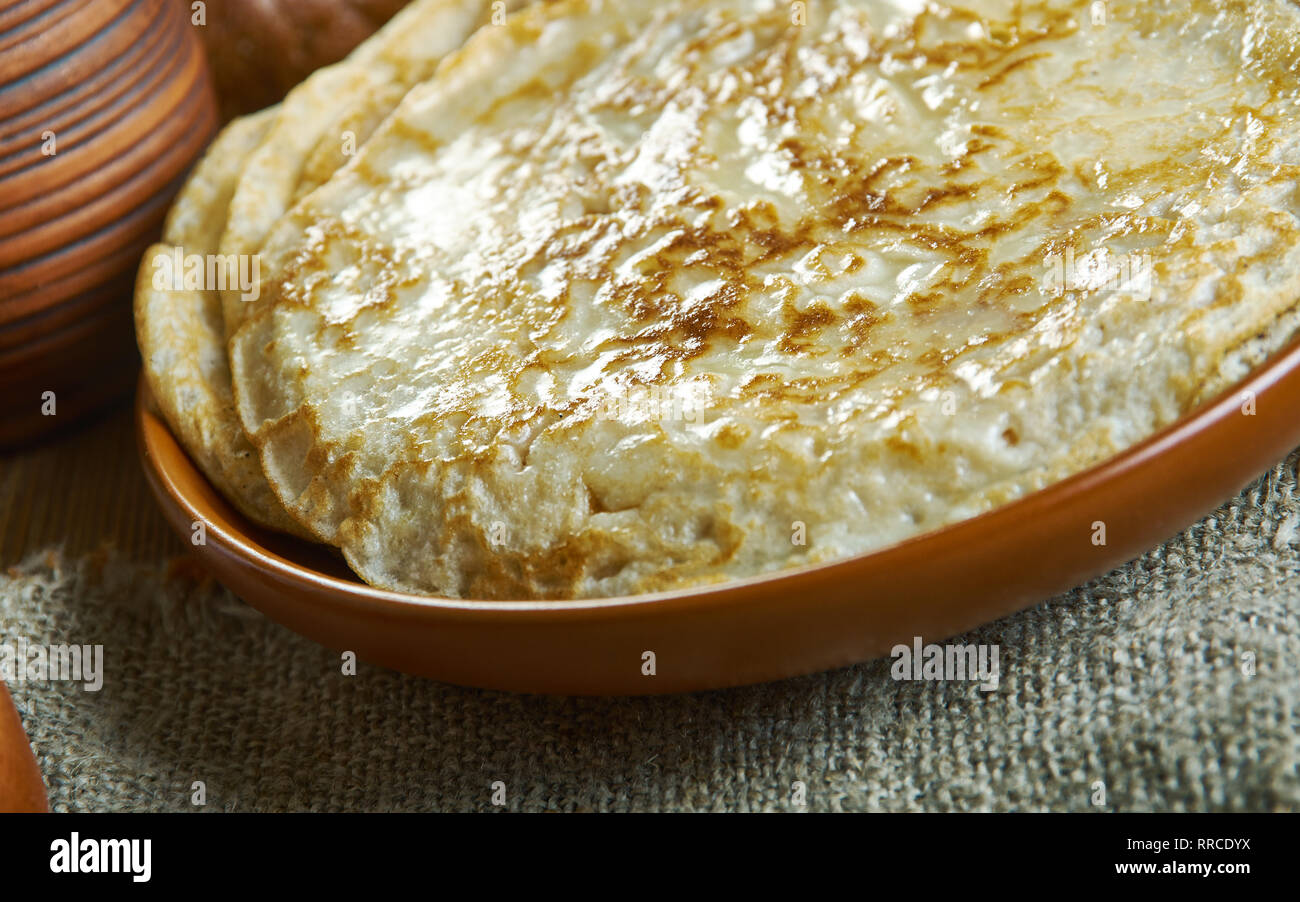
[1169,684]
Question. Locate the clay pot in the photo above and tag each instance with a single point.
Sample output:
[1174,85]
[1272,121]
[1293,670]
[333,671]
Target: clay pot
[104,105]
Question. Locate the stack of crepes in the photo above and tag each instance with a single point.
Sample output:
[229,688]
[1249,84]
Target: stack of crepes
[594,298]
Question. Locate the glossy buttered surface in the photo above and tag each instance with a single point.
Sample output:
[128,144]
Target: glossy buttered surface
[737,292]
[933,586]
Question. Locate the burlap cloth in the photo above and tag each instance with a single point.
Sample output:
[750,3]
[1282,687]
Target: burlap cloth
[1136,681]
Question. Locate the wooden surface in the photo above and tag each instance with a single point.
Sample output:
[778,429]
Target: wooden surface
[82,491]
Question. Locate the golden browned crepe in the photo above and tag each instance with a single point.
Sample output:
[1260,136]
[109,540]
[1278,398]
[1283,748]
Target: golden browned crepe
[633,296]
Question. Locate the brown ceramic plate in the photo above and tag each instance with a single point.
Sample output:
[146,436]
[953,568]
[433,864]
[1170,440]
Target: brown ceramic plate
[933,586]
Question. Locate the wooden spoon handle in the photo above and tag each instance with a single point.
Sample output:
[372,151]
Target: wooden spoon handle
[21,789]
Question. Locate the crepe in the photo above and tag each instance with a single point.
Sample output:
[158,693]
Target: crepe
[248,170]
[326,117]
[634,296]
[181,334]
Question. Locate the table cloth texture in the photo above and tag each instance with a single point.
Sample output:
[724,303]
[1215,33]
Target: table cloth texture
[1170,683]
